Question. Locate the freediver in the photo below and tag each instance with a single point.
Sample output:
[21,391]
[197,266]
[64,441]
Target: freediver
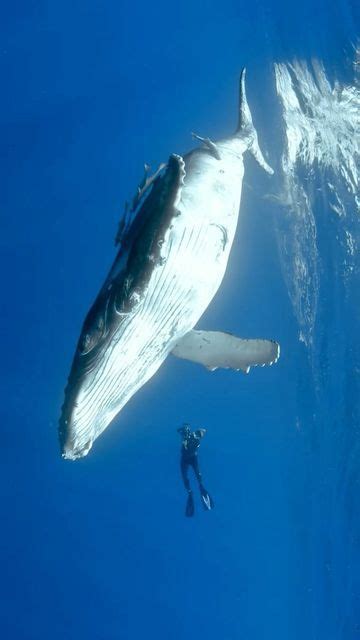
[189,458]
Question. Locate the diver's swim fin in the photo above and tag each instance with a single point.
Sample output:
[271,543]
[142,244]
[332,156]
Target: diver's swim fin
[190,507]
[206,498]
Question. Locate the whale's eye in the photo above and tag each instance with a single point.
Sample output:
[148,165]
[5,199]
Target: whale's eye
[87,342]
[91,337]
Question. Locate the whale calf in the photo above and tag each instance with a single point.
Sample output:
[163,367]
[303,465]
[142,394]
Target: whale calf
[175,241]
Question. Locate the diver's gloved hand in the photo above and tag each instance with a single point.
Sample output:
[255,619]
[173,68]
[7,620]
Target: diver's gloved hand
[190,506]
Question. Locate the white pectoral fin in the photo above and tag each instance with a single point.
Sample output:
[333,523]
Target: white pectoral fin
[216,349]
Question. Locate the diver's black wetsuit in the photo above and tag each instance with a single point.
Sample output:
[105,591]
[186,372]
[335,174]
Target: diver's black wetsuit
[190,444]
[189,447]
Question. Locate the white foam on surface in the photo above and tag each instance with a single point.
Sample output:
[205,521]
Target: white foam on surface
[320,166]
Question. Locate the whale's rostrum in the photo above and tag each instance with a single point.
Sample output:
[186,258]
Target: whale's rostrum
[174,247]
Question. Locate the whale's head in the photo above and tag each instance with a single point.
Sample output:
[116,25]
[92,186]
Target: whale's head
[107,370]
[91,396]
[82,418]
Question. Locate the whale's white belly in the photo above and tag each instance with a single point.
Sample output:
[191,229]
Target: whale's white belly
[195,252]
[194,257]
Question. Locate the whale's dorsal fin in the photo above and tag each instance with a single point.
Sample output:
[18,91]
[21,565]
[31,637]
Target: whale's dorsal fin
[246,129]
[217,349]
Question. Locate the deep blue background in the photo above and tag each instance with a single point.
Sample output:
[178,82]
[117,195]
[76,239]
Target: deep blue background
[100,548]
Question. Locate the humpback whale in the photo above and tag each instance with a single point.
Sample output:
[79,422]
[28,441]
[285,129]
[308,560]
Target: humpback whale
[174,244]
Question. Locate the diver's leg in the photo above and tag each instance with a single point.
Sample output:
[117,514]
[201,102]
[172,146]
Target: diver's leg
[195,466]
[207,501]
[184,466]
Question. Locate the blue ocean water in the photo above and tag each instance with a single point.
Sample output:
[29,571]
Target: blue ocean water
[100,548]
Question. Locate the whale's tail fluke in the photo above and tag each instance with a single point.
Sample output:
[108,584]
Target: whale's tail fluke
[246,129]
